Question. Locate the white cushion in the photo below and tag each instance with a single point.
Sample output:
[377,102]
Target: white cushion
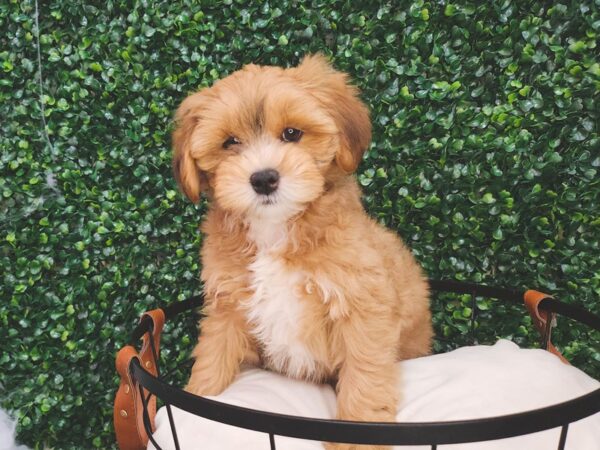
[467,383]
[7,433]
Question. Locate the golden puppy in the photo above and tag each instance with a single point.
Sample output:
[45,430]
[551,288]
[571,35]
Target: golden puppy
[296,276]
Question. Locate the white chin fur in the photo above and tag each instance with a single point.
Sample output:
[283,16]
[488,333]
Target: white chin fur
[276,207]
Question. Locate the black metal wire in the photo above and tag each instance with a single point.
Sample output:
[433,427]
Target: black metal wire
[571,311]
[516,296]
[460,287]
[272,441]
[167,404]
[170,311]
[457,287]
[473,310]
[563,437]
[146,418]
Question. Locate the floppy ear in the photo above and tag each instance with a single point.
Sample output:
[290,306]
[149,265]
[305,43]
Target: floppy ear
[190,179]
[340,98]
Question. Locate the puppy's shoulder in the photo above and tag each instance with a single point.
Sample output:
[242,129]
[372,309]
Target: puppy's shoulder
[224,236]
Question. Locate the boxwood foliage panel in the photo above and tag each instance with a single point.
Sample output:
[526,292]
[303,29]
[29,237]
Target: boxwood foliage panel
[485,158]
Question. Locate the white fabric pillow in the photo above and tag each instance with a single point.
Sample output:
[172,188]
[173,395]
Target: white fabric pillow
[468,383]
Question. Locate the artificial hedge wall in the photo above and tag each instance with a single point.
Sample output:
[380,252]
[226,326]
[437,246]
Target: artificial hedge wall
[485,158]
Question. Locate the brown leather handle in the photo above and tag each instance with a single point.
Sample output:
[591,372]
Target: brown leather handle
[542,320]
[157,316]
[128,407]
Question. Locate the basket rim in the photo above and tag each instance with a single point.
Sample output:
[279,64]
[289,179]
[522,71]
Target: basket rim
[382,433]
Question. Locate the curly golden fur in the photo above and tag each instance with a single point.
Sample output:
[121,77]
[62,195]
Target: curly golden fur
[297,277]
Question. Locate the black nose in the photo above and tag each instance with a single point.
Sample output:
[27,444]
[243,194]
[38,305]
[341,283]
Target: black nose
[265,181]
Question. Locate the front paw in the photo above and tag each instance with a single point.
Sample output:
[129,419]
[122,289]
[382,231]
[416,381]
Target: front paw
[338,446]
[195,386]
[205,382]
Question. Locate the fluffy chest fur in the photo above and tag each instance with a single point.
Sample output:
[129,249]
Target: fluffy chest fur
[276,310]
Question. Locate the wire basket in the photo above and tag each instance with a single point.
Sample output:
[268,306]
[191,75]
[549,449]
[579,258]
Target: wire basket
[141,384]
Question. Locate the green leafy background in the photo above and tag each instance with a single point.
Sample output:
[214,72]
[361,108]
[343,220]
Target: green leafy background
[485,158]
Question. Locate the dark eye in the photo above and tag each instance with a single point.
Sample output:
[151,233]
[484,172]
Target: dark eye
[291,135]
[231,140]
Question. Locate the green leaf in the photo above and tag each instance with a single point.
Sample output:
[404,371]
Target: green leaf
[488,198]
[450,10]
[577,46]
[483,158]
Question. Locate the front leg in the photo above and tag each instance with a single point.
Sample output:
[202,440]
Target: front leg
[366,394]
[367,387]
[222,346]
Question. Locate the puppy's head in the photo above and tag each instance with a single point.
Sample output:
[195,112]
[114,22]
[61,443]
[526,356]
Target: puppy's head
[263,141]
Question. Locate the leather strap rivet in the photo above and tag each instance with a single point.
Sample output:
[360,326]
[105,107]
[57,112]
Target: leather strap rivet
[148,364]
[123,413]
